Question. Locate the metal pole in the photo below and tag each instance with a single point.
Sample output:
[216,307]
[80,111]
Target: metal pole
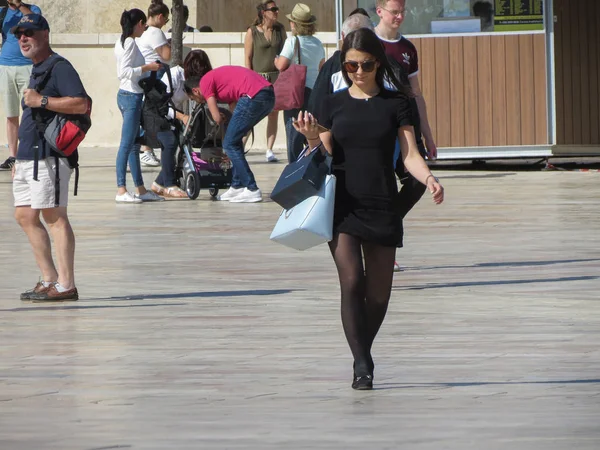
[550,70]
[338,18]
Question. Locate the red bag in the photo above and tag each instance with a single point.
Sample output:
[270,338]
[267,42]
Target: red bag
[289,86]
[64,133]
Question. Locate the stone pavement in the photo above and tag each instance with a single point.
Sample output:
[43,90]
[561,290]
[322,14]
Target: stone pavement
[194,331]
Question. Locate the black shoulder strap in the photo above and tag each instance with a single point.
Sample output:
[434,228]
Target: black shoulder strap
[3,14]
[170,78]
[42,84]
[37,117]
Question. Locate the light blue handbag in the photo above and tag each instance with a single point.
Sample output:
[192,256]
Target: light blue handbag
[309,223]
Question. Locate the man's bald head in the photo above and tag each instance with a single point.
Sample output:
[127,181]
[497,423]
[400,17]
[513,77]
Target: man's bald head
[355,22]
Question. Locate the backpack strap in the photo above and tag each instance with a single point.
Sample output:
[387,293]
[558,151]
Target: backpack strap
[48,74]
[170,78]
[37,116]
[56,182]
[3,14]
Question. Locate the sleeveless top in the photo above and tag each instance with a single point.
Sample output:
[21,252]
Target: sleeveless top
[264,51]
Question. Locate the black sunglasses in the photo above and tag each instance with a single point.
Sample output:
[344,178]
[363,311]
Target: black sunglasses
[27,33]
[273,9]
[366,66]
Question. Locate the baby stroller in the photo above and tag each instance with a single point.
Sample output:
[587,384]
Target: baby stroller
[201,162]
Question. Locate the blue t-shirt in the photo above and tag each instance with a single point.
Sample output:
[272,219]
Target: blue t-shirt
[11,52]
[64,82]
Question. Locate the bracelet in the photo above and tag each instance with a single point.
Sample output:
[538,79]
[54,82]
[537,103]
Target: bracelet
[313,138]
[431,175]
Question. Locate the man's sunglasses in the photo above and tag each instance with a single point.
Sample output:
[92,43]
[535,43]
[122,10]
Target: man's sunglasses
[27,33]
[366,66]
[273,9]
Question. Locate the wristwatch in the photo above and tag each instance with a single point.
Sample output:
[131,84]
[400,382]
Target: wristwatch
[44,103]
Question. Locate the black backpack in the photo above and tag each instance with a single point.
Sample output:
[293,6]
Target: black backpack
[155,109]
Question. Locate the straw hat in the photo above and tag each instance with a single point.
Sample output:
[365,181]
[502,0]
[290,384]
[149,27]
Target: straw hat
[301,14]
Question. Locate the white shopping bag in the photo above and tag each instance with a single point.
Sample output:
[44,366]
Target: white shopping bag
[309,223]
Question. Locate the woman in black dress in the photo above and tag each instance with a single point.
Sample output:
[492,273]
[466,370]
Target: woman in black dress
[365,121]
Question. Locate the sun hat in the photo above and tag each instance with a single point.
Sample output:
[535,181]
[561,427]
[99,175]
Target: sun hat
[301,14]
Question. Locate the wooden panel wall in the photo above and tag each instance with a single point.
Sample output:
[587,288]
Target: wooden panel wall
[577,55]
[485,90]
[237,15]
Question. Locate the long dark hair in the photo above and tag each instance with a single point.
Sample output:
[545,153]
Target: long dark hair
[157,7]
[367,41]
[129,19]
[196,64]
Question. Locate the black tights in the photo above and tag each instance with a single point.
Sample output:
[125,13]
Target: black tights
[365,293]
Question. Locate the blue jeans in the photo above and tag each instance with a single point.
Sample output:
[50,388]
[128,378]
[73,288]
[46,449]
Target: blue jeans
[247,113]
[130,105]
[168,143]
[295,140]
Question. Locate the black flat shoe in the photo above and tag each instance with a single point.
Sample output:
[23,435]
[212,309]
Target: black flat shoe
[363,383]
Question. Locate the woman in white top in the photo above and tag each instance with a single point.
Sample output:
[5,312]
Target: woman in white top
[130,68]
[155,46]
[312,55]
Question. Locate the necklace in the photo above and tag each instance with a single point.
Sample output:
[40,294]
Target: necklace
[366,99]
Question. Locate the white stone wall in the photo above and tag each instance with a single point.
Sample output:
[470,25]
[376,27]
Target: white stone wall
[95,16]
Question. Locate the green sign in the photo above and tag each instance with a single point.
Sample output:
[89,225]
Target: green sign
[518,15]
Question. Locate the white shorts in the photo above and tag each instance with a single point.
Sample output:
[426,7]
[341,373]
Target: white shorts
[41,194]
[13,82]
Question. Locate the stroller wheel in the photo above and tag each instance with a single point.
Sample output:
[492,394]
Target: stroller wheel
[192,185]
[214,192]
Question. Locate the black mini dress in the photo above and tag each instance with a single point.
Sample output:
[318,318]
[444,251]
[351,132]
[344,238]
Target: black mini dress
[364,137]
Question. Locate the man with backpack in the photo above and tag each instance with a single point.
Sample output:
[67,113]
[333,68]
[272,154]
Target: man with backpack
[55,91]
[15,70]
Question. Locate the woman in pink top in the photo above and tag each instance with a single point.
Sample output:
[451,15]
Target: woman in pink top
[254,99]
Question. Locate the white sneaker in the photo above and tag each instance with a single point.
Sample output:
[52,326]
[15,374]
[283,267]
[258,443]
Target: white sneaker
[149,159]
[248,196]
[127,197]
[231,192]
[271,156]
[150,196]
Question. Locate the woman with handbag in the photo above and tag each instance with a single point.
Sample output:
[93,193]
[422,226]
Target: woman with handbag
[254,98]
[263,42]
[131,68]
[364,122]
[305,49]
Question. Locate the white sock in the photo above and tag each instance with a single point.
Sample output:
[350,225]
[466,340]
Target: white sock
[60,288]
[47,283]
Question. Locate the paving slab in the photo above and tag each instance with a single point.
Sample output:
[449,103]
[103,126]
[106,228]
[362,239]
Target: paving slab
[194,331]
